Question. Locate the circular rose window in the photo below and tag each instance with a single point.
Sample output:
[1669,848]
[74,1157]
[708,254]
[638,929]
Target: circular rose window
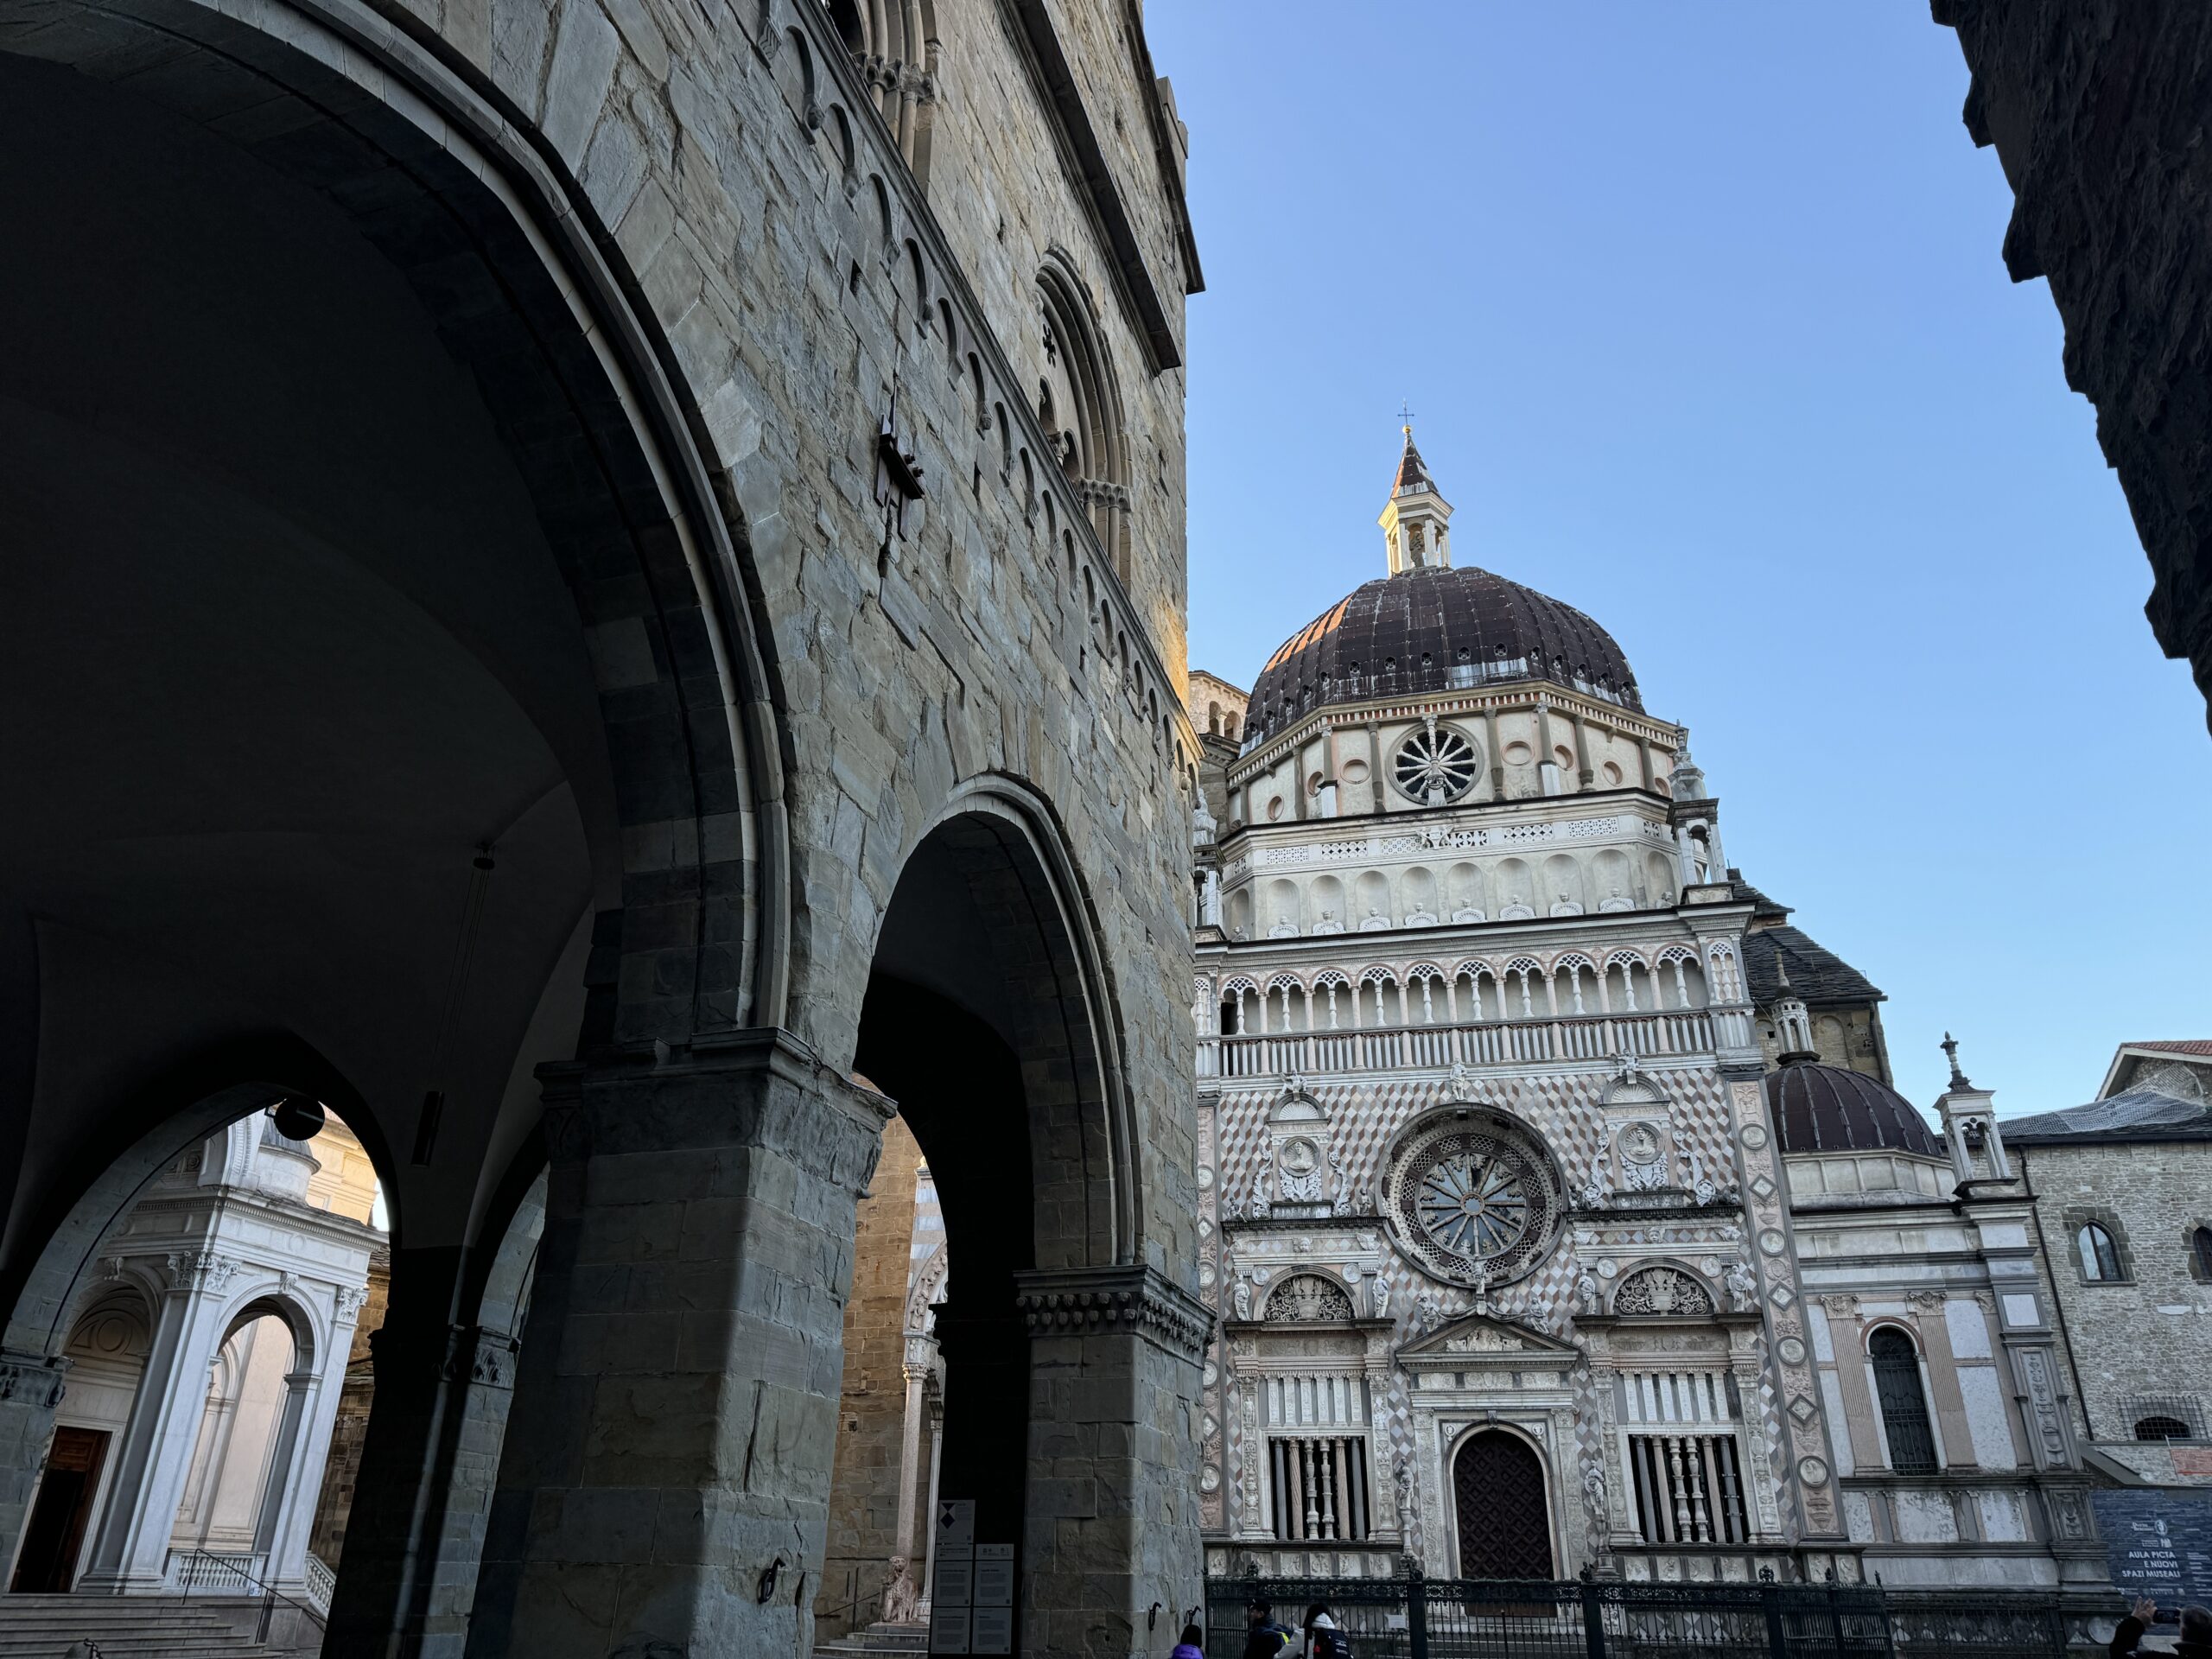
[1436,765]
[1471,1196]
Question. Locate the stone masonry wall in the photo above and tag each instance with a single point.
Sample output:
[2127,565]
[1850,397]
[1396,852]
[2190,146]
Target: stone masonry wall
[713,144]
[872,1410]
[2126,1338]
[349,1430]
[2098,113]
[669,1467]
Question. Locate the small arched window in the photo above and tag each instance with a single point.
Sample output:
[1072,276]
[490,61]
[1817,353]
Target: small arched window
[2161,1428]
[2199,1251]
[2099,1252]
[1904,1403]
[895,47]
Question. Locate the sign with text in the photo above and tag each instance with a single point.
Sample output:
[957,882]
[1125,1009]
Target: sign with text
[993,1631]
[993,1576]
[948,1628]
[2157,1543]
[956,1579]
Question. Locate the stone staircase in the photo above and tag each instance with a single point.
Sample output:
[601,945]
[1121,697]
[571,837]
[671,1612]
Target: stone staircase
[870,1641]
[150,1627]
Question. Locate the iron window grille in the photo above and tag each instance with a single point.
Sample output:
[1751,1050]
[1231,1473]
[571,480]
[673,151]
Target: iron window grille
[1903,1402]
[2174,1416]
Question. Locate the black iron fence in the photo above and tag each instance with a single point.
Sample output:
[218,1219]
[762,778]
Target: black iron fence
[1440,1618]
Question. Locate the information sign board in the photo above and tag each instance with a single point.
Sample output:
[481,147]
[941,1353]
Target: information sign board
[2157,1544]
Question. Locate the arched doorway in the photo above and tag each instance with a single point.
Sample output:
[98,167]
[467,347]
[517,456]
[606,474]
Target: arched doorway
[203,1313]
[1498,1489]
[990,1021]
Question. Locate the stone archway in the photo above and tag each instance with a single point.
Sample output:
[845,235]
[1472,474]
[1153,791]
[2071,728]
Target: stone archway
[991,1022]
[1502,1508]
[389,684]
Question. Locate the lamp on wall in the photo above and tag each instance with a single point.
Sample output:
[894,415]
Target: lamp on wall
[297,1118]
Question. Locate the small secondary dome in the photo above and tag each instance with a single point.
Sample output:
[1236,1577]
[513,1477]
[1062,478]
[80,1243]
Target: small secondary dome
[1429,627]
[1826,1108]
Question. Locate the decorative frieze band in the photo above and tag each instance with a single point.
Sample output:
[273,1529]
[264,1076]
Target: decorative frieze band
[1080,1301]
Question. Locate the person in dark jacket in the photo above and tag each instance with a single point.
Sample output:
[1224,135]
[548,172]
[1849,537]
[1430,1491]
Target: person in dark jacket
[1192,1644]
[2194,1641]
[1265,1639]
[1323,1639]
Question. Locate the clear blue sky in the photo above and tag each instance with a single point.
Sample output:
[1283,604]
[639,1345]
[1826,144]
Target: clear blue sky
[1700,313]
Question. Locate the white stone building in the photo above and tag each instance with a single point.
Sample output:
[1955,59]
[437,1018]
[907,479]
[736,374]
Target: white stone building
[206,1355]
[1532,1207]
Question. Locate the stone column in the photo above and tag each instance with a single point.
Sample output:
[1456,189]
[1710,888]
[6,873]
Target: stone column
[1111,1522]
[31,1389]
[1496,755]
[131,1552]
[665,1484]
[301,1444]
[937,1467]
[1684,858]
[1585,774]
[917,1373]
[415,1535]
[1644,762]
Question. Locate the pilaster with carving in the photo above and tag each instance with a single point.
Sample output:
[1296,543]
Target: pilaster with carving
[1807,1463]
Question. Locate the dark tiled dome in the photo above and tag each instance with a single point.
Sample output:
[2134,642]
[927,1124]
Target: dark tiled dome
[1826,1108]
[1434,630]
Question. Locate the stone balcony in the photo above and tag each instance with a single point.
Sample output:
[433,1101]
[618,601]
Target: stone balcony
[1691,1032]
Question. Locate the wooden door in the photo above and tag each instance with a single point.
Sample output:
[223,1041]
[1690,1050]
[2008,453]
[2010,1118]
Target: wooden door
[1498,1482]
[56,1532]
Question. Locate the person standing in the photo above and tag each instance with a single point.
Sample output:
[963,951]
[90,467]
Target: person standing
[1264,1638]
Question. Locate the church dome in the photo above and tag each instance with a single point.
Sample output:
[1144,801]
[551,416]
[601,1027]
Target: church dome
[1826,1108]
[1435,628]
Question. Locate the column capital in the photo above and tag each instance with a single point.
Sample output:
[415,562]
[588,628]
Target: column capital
[1137,1299]
[191,1270]
[38,1380]
[658,1098]
[476,1355]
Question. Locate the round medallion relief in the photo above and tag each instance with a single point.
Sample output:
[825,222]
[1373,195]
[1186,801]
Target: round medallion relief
[1772,1241]
[1791,1349]
[1754,1135]
[1471,1196]
[1639,1143]
[1812,1471]
[1206,1176]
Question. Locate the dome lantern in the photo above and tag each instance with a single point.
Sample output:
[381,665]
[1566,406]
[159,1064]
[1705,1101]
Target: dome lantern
[1417,521]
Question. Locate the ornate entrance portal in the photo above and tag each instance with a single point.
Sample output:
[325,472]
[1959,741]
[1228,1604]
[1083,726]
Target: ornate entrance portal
[1498,1482]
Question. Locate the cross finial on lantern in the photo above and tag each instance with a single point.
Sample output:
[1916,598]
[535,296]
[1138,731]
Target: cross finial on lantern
[1950,1047]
